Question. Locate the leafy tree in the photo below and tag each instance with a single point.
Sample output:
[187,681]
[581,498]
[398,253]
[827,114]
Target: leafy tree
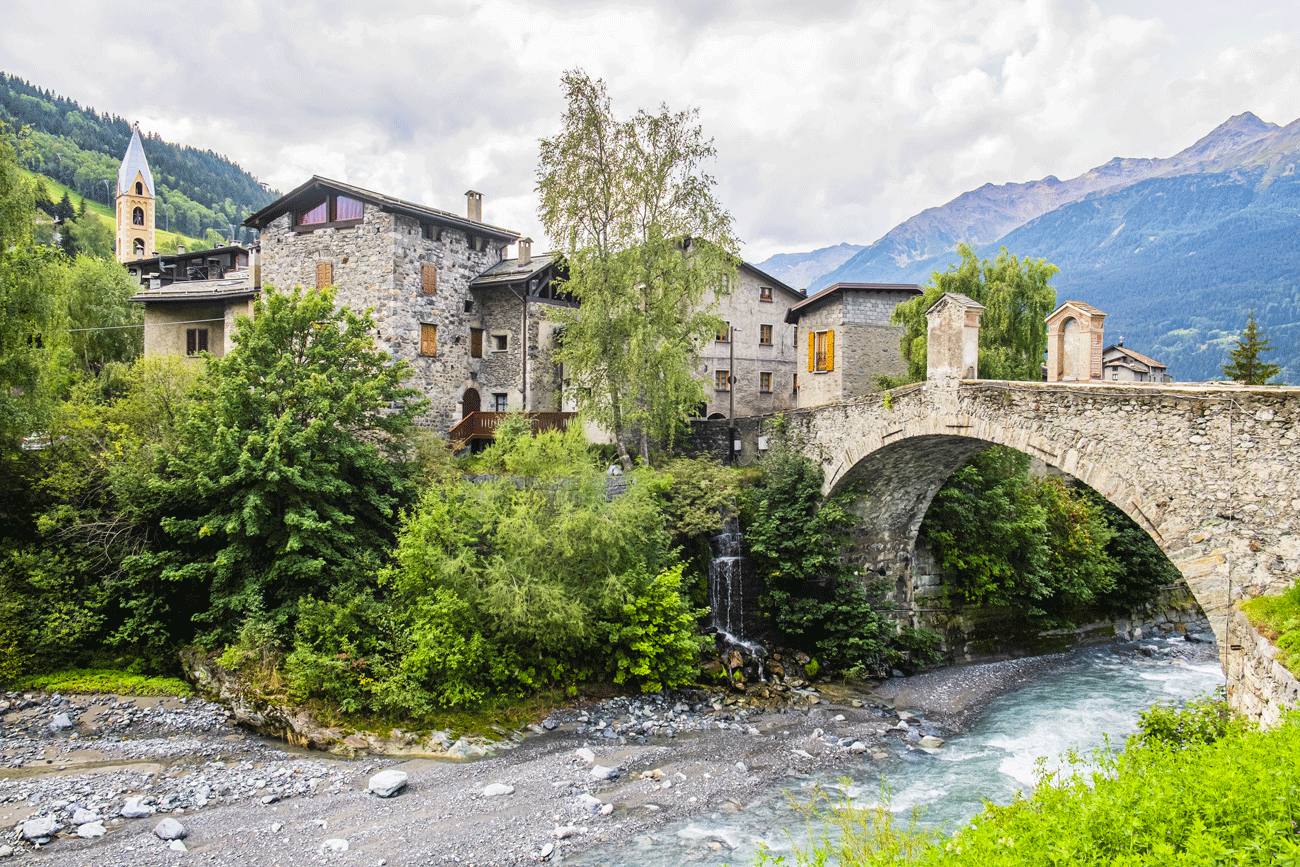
[1017,297]
[99,293]
[283,486]
[1246,366]
[89,235]
[634,215]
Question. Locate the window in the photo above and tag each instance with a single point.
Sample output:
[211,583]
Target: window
[499,402]
[429,279]
[500,342]
[476,343]
[794,383]
[324,274]
[765,335]
[764,293]
[196,340]
[469,306]
[137,216]
[430,233]
[139,188]
[722,380]
[724,333]
[821,351]
[765,382]
[428,339]
[335,209]
[137,246]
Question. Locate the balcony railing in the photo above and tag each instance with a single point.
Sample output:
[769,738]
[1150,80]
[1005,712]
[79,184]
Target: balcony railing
[483,425]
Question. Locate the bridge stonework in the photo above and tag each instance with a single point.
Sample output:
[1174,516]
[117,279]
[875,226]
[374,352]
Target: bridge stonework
[1212,473]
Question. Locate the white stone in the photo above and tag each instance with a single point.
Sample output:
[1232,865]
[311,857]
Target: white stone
[169,829]
[585,754]
[600,772]
[387,783]
[932,742]
[335,844]
[38,829]
[135,808]
[493,790]
[91,830]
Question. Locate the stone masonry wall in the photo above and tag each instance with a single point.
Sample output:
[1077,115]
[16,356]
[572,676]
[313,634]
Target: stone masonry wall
[379,264]
[1258,685]
[746,313]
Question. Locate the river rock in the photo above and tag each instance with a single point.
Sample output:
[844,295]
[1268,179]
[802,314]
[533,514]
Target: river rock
[600,772]
[387,783]
[585,754]
[135,808]
[932,742]
[6,851]
[493,790]
[335,844]
[60,722]
[589,803]
[38,830]
[81,816]
[91,830]
[169,829]
[178,846]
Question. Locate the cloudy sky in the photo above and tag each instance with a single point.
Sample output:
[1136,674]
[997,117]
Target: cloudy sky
[832,121]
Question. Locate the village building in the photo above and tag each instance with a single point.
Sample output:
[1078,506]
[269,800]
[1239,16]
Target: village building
[1074,339]
[135,203]
[1122,364]
[191,299]
[751,366]
[846,341]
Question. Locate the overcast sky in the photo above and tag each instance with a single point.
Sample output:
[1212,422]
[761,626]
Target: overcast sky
[832,121]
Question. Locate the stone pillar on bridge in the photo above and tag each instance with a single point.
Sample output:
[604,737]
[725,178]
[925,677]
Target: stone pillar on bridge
[1074,342]
[953,339]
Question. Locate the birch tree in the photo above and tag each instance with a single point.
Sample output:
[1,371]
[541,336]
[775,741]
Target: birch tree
[629,206]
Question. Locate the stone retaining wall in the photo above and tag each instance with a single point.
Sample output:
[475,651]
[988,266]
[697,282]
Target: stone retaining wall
[1258,685]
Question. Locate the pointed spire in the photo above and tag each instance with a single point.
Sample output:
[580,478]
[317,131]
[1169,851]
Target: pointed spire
[134,163]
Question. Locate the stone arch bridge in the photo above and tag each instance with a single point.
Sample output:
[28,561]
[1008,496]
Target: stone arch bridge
[1211,472]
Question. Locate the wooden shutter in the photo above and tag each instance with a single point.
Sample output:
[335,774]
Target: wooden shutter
[429,279]
[476,343]
[812,351]
[191,337]
[830,350]
[324,274]
[203,340]
[428,339]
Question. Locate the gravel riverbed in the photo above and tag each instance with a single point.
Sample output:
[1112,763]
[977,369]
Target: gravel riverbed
[93,780]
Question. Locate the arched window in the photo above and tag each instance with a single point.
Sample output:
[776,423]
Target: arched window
[137,216]
[139,188]
[138,247]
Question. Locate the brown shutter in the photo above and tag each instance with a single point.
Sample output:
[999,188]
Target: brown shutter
[429,279]
[830,350]
[203,340]
[428,339]
[190,338]
[324,274]
[812,351]
[476,343]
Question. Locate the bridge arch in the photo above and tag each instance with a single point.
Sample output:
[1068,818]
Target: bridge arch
[1211,473]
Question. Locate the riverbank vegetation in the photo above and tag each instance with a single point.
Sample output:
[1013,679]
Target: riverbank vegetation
[1192,787]
[1278,619]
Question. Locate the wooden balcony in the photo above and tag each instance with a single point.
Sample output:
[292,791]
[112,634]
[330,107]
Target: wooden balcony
[482,426]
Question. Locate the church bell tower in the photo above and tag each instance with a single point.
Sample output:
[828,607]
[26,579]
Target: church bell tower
[135,204]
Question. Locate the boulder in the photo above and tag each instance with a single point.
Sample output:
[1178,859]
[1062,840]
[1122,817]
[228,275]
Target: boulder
[91,830]
[585,754]
[600,772]
[493,790]
[169,829]
[136,808]
[387,783]
[60,722]
[40,829]
[931,742]
[82,816]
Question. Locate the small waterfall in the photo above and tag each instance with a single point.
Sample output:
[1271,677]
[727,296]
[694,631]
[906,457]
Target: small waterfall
[729,618]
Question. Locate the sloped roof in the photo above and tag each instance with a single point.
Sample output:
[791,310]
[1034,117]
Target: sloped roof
[310,192]
[955,298]
[792,315]
[775,283]
[1136,356]
[509,271]
[198,291]
[1081,306]
[132,164]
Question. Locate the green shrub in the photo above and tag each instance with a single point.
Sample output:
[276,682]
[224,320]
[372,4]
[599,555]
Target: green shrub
[1278,619]
[655,644]
[1202,720]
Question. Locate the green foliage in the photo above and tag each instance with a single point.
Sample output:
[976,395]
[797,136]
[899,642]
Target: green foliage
[1006,539]
[814,600]
[281,487]
[99,292]
[90,235]
[1200,721]
[644,240]
[655,643]
[81,681]
[1245,363]
[1139,567]
[1278,619]
[843,833]
[1017,297]
[341,647]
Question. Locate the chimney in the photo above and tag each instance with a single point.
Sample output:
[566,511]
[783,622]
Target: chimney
[180,249]
[525,250]
[474,203]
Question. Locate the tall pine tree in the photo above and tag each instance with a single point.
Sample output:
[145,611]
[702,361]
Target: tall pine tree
[1246,366]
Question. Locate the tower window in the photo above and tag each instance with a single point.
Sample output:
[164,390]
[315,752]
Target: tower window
[137,217]
[137,246]
[139,188]
[428,339]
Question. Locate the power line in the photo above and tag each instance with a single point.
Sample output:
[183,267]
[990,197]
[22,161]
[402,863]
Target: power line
[145,325]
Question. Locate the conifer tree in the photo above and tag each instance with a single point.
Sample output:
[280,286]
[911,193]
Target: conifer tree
[1246,366]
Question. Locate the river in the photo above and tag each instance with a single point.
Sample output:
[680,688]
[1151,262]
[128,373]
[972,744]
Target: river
[1081,698]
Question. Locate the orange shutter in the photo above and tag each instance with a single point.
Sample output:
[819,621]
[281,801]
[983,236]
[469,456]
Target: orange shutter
[324,274]
[812,351]
[429,279]
[830,350]
[428,339]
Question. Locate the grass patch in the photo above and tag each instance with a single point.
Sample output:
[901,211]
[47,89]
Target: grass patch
[106,680]
[486,719]
[1278,619]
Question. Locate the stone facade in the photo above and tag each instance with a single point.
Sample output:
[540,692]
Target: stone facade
[413,271]
[854,319]
[952,337]
[1258,685]
[167,325]
[756,306]
[1074,340]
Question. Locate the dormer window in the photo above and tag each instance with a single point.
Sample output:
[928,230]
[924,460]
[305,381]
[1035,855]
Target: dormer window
[139,188]
[334,209]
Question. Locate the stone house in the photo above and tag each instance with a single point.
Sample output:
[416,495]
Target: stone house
[191,299]
[1122,364]
[413,266]
[845,340]
[753,362]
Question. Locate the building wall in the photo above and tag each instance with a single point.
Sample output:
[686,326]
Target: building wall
[869,345]
[379,264]
[746,313]
[816,388]
[165,325]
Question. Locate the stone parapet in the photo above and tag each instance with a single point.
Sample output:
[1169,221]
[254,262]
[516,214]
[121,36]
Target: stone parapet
[1259,686]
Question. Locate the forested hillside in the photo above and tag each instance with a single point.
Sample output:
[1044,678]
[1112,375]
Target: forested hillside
[198,191]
